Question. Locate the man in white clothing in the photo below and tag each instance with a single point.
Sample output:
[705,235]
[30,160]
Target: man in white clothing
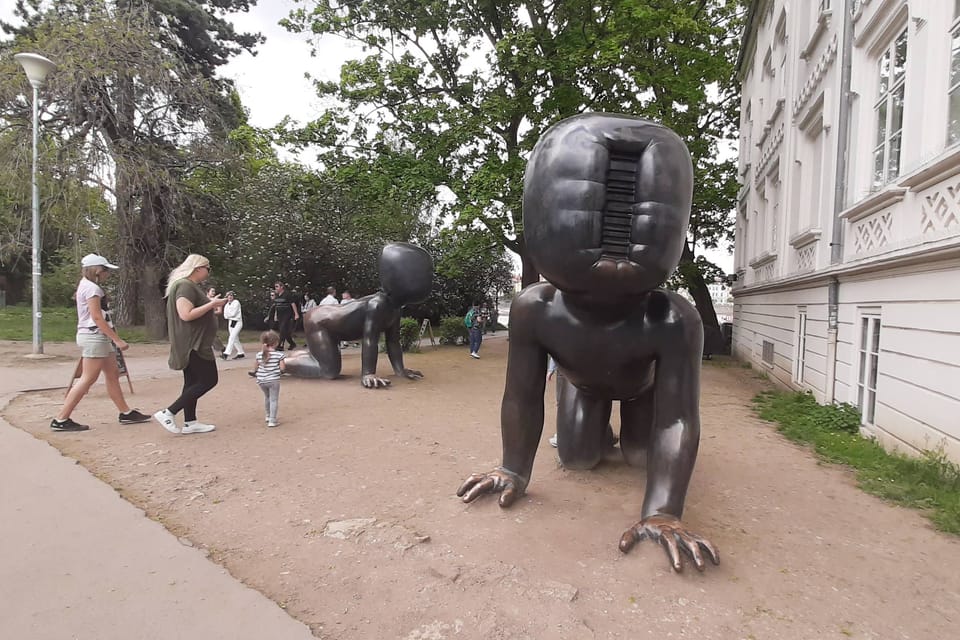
[234,317]
[331,297]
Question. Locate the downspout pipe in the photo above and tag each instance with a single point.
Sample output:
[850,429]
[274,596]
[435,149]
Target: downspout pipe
[839,198]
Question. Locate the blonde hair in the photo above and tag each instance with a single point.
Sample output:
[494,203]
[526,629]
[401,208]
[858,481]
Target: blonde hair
[193,262]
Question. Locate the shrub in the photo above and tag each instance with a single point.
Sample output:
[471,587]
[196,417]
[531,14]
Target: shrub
[409,333]
[453,331]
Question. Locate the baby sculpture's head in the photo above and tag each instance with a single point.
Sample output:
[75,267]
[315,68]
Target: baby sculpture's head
[606,205]
[406,272]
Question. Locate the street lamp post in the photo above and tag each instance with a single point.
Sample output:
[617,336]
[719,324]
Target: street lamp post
[37,67]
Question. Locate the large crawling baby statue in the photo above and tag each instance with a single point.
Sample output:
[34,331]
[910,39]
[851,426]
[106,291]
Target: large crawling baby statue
[606,206]
[406,275]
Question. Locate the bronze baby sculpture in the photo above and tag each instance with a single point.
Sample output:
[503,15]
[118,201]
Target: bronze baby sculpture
[406,276]
[606,207]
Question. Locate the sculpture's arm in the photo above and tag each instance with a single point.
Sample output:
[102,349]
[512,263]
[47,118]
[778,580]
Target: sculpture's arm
[395,350]
[369,343]
[673,447]
[676,430]
[521,413]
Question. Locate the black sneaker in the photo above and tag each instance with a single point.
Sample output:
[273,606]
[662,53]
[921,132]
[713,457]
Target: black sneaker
[238,357]
[223,354]
[67,425]
[133,417]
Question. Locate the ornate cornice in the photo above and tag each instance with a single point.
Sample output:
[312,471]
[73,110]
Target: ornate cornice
[816,77]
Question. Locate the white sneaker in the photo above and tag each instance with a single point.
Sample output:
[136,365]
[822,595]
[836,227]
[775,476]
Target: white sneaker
[196,427]
[475,355]
[553,440]
[165,418]
[271,423]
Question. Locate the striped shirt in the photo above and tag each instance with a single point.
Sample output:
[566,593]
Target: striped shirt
[269,371]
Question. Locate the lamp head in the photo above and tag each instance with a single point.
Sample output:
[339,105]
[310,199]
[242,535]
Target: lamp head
[36,66]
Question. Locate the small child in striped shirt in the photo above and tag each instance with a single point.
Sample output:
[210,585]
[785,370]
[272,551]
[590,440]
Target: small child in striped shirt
[270,364]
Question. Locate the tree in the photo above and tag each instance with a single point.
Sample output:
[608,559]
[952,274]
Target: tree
[136,93]
[469,266]
[468,86]
[309,228]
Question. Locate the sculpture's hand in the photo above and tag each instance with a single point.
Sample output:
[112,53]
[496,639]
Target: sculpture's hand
[509,483]
[672,536]
[370,381]
[412,374]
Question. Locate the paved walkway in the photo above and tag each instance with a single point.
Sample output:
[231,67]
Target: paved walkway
[79,562]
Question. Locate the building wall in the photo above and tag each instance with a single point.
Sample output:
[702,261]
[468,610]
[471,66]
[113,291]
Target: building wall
[898,269]
[918,398]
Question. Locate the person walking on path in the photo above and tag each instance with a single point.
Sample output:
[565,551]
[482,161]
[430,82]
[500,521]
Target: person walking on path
[98,342]
[286,314]
[474,329]
[270,364]
[192,325]
[233,314]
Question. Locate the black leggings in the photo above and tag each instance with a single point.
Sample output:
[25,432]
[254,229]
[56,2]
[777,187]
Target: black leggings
[199,377]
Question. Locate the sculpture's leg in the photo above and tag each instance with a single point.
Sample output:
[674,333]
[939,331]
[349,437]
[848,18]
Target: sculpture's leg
[583,427]
[322,360]
[636,423]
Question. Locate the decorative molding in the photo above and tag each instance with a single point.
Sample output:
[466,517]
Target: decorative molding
[763,259]
[885,18]
[920,255]
[858,6]
[805,237]
[807,257]
[768,154]
[874,202]
[816,77]
[940,211]
[823,21]
[873,232]
[777,110]
[931,173]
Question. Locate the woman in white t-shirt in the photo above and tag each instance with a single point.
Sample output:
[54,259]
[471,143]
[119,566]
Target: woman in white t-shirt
[98,342]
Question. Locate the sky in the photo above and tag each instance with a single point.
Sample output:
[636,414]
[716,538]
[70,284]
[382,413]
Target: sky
[273,85]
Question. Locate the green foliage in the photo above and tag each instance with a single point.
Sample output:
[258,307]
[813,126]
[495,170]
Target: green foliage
[452,331]
[469,267]
[409,332]
[135,105]
[931,482]
[421,86]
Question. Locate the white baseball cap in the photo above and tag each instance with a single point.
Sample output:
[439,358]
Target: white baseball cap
[93,260]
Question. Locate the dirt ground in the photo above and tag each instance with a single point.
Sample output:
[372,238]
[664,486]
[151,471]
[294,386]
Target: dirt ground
[346,515]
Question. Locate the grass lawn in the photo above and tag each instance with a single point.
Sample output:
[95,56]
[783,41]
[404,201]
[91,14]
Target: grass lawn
[60,325]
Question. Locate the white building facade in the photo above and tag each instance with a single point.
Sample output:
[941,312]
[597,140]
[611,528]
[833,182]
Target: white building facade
[848,223]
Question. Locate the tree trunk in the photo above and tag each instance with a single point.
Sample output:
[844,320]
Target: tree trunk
[154,306]
[712,338]
[127,307]
[153,236]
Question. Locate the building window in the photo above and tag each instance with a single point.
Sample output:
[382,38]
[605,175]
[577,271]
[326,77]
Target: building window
[888,110]
[869,357]
[800,346]
[767,353]
[953,114]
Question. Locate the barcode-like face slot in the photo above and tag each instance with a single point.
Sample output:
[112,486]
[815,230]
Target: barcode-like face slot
[621,195]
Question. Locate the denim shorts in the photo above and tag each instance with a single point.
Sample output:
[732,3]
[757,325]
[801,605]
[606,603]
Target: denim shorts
[95,345]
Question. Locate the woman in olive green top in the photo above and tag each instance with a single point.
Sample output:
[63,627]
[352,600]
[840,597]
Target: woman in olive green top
[192,325]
